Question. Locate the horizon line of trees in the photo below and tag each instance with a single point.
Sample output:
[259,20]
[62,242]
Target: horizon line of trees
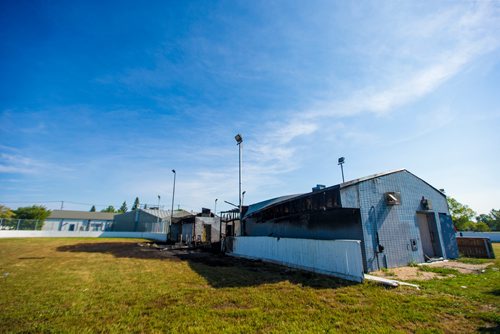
[463,218]
[123,208]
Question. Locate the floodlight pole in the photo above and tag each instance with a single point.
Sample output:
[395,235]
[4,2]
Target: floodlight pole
[239,140]
[341,162]
[215,208]
[172,210]
[158,215]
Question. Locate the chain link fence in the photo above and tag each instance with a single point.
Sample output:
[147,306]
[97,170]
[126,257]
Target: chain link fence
[14,224]
[21,224]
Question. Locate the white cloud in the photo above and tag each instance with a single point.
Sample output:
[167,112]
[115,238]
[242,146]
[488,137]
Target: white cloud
[19,164]
[457,37]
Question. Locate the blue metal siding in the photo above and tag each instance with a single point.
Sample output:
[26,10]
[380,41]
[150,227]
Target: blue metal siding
[449,237]
[394,226]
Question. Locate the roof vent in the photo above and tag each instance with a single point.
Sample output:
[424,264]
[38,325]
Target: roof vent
[393,198]
[319,187]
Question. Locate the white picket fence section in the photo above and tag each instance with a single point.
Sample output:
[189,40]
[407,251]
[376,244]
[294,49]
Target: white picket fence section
[340,258]
[81,234]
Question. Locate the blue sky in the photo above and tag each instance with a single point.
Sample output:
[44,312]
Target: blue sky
[98,102]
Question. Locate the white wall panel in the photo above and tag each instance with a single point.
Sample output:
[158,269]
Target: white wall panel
[341,258]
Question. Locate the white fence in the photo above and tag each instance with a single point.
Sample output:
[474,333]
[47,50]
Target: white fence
[81,234]
[341,258]
[494,236]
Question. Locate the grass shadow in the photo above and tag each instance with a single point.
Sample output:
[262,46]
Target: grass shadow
[495,292]
[221,271]
[495,329]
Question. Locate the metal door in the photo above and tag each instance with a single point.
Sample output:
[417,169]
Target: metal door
[425,235]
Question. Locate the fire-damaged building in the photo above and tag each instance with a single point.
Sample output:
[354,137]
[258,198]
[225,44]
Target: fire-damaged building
[397,217]
[201,227]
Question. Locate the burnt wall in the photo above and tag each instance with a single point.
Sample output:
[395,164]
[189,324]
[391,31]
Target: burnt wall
[323,225]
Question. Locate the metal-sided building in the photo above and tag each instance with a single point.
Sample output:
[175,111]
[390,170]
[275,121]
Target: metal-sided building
[146,220]
[201,227]
[398,217]
[70,220]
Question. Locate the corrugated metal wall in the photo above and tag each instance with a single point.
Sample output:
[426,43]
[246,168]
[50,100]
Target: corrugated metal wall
[341,258]
[394,226]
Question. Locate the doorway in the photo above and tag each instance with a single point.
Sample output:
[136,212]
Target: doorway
[429,236]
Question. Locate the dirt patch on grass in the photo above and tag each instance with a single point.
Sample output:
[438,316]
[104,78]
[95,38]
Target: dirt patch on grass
[464,268]
[406,274]
[436,270]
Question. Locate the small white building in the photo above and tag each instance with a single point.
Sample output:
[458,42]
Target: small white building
[69,220]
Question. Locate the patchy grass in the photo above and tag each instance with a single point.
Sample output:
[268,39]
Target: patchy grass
[112,285]
[438,270]
[388,272]
[471,260]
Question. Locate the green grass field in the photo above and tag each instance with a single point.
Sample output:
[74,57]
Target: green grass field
[112,285]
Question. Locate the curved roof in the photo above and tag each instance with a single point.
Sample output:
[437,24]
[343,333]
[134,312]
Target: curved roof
[270,202]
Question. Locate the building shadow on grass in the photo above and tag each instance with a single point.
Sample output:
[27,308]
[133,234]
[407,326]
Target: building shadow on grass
[495,292]
[495,329]
[221,271]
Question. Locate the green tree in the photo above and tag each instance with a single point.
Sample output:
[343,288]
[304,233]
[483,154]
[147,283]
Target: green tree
[109,209]
[136,204]
[461,215]
[495,224]
[37,212]
[6,212]
[481,227]
[34,215]
[492,220]
[123,208]
[92,209]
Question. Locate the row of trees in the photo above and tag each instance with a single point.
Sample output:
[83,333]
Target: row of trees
[123,208]
[37,212]
[463,218]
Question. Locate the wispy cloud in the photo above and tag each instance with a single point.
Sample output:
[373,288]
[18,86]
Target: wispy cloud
[459,36]
[20,164]
[303,79]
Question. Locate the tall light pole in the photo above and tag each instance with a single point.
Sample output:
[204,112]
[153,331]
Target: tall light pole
[341,162]
[239,140]
[215,208]
[172,210]
[158,216]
